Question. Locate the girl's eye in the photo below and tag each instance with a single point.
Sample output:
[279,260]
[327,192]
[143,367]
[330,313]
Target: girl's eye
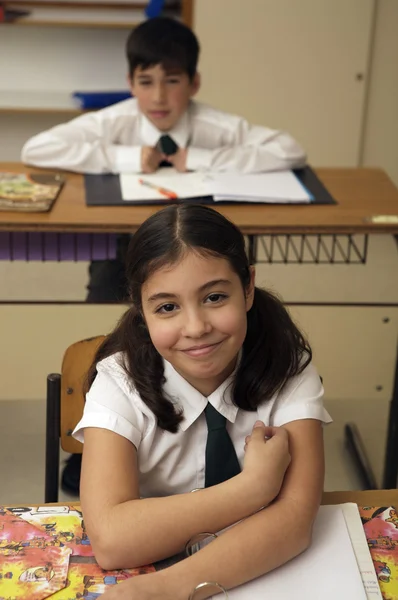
[166,308]
[145,83]
[215,298]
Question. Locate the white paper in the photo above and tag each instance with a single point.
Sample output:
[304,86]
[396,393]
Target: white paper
[328,570]
[274,187]
[361,549]
[185,185]
[279,187]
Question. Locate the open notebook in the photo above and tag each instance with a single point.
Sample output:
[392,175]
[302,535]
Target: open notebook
[337,565]
[280,187]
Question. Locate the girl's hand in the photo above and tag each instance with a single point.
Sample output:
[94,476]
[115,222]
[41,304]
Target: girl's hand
[267,458]
[152,586]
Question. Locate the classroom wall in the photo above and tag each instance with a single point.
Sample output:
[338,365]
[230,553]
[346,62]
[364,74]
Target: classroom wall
[291,65]
[327,116]
[381,123]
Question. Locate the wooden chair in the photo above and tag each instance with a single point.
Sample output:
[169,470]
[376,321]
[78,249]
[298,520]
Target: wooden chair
[65,403]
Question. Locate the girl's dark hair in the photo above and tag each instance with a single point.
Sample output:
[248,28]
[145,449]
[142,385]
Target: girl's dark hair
[274,349]
[163,41]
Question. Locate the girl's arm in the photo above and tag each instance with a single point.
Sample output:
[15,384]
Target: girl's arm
[257,545]
[126,531]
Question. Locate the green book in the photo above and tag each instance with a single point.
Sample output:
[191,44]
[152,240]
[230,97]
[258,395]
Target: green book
[29,192]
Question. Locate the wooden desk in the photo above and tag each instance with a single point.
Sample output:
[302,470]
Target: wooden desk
[359,497]
[360,193]
[363,498]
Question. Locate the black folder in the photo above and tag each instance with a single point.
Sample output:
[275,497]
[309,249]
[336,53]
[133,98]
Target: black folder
[104,190]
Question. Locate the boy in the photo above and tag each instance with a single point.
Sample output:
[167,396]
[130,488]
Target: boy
[162,55]
[161,124]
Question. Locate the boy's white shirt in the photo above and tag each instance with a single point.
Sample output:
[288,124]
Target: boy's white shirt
[172,463]
[110,141]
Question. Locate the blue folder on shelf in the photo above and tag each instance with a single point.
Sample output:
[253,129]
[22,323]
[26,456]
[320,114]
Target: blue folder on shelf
[95,100]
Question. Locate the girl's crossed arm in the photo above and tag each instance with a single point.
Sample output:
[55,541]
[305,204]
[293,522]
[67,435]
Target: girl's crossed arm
[255,546]
[127,531]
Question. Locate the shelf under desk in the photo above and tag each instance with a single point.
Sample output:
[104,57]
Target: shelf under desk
[31,101]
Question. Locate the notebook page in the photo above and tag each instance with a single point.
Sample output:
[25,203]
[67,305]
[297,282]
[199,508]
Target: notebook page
[361,549]
[327,570]
[185,185]
[279,187]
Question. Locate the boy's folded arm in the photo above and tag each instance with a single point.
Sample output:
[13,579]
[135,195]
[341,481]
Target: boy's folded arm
[126,531]
[87,144]
[249,149]
[50,150]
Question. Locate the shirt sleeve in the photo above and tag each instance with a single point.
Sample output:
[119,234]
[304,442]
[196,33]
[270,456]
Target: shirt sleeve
[301,398]
[87,144]
[109,406]
[248,149]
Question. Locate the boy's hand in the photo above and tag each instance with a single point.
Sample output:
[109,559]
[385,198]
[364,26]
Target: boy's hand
[179,160]
[267,458]
[150,159]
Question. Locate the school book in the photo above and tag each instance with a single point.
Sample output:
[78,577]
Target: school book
[206,188]
[45,553]
[29,193]
[381,528]
[281,187]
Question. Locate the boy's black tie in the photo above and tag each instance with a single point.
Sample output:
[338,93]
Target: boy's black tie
[167,145]
[221,460]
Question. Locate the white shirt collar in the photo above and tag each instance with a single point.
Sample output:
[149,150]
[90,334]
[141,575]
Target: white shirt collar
[180,133]
[193,403]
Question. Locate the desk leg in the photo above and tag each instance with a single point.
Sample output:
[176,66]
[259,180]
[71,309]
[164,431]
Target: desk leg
[357,450]
[252,251]
[391,458]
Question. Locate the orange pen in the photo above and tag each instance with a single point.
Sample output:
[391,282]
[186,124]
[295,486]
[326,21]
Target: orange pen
[168,193]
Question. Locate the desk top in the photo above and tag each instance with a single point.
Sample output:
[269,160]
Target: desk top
[361,498]
[360,193]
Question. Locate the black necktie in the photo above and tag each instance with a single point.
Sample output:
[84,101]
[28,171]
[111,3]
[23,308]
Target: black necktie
[221,460]
[167,145]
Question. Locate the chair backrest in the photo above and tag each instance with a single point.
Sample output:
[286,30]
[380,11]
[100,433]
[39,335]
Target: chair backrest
[75,365]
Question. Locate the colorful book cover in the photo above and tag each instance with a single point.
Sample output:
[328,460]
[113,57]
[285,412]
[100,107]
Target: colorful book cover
[381,529]
[45,552]
[32,565]
[65,524]
[29,193]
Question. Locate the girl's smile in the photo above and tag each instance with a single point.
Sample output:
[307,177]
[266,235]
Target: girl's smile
[198,324]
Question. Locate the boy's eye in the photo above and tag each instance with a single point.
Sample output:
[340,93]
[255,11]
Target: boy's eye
[144,82]
[214,298]
[173,80]
[166,308]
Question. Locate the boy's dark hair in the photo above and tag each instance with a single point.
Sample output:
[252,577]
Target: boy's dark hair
[274,350]
[163,41]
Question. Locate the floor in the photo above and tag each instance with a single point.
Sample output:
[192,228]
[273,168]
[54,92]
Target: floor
[22,439]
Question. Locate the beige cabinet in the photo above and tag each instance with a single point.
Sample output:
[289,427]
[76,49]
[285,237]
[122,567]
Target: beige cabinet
[300,65]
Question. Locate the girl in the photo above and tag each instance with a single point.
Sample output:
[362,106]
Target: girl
[205,383]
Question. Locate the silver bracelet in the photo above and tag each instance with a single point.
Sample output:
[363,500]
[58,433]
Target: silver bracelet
[200,586]
[193,545]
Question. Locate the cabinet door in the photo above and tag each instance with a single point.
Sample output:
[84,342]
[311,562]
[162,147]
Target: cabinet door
[299,65]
